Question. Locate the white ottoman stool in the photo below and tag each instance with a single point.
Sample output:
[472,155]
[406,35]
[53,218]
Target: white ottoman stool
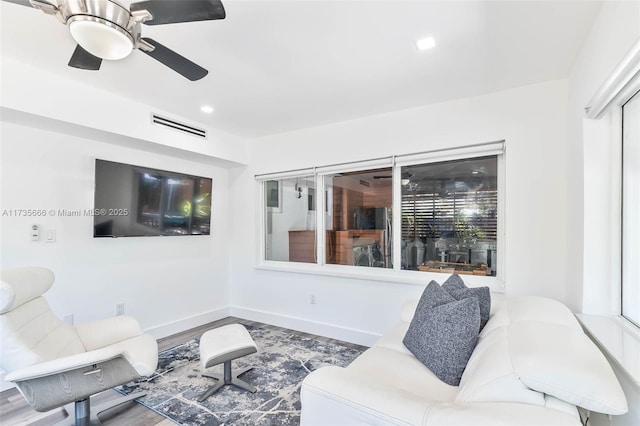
[222,345]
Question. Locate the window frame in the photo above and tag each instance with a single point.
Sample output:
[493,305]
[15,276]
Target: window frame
[608,101]
[322,173]
[634,321]
[394,274]
[420,160]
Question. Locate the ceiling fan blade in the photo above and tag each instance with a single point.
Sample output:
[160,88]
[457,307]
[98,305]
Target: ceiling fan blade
[20,2]
[84,60]
[175,11]
[42,5]
[176,62]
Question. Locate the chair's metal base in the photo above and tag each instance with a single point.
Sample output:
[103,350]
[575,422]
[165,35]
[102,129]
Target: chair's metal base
[226,379]
[85,416]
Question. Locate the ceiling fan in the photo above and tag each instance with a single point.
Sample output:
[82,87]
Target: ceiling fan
[105,29]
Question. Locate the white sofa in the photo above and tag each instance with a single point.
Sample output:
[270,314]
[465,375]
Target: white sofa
[532,365]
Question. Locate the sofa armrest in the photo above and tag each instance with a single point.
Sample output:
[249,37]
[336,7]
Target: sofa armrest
[336,396]
[61,365]
[107,331]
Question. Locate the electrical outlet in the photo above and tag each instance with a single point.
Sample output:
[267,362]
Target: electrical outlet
[120,309]
[312,299]
[35,232]
[68,318]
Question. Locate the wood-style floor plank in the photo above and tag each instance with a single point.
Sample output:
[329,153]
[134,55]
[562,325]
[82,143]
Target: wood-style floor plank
[14,411]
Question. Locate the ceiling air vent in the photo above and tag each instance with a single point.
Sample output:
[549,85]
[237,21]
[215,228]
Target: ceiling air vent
[176,125]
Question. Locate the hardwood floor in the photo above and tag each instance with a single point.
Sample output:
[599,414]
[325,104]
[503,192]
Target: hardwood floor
[15,411]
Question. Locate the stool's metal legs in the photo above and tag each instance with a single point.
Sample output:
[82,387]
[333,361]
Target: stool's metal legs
[227,378]
[241,383]
[206,394]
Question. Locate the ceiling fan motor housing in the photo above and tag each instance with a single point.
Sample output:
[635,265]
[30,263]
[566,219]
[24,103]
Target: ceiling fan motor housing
[104,28]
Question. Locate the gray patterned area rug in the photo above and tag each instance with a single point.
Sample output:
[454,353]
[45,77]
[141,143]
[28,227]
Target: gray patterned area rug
[283,360]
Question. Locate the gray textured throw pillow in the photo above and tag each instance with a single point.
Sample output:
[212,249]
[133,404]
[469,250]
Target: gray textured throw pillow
[454,282]
[456,288]
[444,332]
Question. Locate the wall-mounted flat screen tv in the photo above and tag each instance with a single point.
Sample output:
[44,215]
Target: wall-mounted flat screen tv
[136,201]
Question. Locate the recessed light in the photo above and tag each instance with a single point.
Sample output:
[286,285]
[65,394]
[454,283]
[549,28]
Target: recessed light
[206,109]
[425,43]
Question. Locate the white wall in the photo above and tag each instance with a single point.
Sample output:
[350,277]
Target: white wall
[531,119]
[592,175]
[39,92]
[52,130]
[167,283]
[591,163]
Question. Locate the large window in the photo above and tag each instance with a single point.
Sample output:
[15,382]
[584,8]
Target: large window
[450,216]
[444,205]
[290,219]
[631,209]
[359,229]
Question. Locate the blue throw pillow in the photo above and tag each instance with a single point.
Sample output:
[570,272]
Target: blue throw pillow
[444,332]
[456,288]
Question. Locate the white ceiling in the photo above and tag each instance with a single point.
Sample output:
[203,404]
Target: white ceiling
[276,66]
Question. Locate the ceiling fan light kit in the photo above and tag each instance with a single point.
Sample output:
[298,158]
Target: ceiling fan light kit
[101,38]
[105,29]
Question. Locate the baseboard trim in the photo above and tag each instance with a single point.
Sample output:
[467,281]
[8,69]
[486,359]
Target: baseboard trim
[359,337]
[181,325]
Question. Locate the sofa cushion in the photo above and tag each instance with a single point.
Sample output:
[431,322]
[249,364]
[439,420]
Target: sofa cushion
[443,332]
[562,361]
[402,371]
[526,308]
[535,346]
[490,375]
[392,339]
[454,285]
[334,396]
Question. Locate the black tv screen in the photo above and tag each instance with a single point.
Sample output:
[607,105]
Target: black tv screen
[136,201]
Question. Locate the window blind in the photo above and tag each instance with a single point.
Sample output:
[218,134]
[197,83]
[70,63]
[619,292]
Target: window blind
[458,214]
